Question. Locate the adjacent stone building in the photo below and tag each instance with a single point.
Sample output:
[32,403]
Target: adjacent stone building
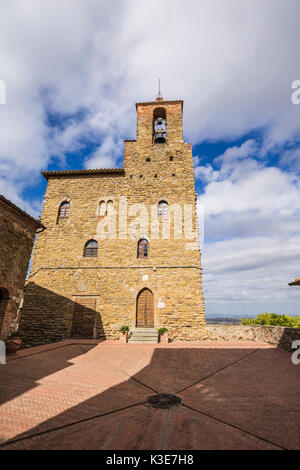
[121,245]
[296,282]
[17,234]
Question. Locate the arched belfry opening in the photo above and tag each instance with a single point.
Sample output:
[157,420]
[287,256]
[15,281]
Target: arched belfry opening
[159,126]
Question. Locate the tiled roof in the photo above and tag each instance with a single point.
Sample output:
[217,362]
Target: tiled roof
[20,211]
[159,103]
[296,282]
[100,171]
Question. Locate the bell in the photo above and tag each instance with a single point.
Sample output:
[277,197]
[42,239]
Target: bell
[160,133]
[160,137]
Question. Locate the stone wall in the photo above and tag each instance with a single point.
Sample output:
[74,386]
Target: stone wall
[276,335]
[17,233]
[60,274]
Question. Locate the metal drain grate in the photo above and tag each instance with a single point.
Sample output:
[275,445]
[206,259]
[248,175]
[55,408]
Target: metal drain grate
[163,400]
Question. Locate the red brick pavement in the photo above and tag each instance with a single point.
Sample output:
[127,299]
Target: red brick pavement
[90,395]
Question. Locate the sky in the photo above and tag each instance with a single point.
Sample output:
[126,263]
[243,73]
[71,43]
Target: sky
[73,70]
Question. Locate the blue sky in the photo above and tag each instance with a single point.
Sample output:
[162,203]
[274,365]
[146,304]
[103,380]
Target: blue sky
[73,71]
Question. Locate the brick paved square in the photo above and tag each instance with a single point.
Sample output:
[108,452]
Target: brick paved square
[85,394]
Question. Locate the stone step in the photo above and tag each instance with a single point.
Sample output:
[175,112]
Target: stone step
[142,339]
[143,335]
[148,330]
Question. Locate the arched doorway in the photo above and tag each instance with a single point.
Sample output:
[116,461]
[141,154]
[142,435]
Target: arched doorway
[145,309]
[4,298]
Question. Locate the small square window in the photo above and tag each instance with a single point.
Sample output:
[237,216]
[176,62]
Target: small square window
[148,159]
[171,159]
[155,176]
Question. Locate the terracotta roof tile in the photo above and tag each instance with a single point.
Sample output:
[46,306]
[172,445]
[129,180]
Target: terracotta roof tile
[37,222]
[159,103]
[99,171]
[296,282]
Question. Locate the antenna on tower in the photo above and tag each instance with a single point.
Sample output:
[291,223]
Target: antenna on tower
[159,96]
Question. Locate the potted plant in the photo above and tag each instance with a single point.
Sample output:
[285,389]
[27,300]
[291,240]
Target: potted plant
[13,343]
[163,335]
[123,337]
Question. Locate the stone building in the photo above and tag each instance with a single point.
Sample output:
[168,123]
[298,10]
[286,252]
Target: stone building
[17,234]
[121,246]
[296,282]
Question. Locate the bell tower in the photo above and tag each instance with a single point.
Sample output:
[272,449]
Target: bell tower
[159,122]
[159,174]
[159,153]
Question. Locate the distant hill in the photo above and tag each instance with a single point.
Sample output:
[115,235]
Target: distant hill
[223,320]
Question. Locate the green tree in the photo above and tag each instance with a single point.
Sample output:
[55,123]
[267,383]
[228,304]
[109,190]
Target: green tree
[273,319]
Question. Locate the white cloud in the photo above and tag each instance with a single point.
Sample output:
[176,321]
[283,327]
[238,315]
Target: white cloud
[232,62]
[106,154]
[206,173]
[232,154]
[252,236]
[291,159]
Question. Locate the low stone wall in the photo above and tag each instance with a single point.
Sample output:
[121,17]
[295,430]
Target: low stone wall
[276,335]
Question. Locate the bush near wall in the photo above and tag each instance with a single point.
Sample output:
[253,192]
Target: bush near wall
[273,319]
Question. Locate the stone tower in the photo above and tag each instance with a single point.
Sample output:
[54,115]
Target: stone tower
[120,245]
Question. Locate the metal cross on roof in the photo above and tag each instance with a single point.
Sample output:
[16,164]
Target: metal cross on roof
[159,96]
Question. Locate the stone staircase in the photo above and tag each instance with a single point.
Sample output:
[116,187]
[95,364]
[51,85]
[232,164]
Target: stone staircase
[143,335]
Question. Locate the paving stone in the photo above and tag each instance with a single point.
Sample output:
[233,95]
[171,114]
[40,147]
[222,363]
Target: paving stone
[234,396]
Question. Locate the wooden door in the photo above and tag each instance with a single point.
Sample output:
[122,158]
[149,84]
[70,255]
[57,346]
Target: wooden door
[145,309]
[84,316]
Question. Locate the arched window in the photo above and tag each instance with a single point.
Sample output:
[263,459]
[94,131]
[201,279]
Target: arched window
[105,207]
[102,208]
[159,126]
[90,249]
[142,248]
[162,210]
[64,210]
[109,206]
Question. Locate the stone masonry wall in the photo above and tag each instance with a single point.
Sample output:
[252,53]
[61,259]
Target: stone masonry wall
[16,241]
[276,335]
